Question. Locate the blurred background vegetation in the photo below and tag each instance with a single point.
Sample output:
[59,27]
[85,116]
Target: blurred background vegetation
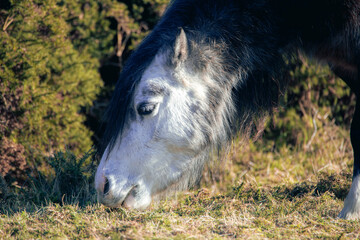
[59,61]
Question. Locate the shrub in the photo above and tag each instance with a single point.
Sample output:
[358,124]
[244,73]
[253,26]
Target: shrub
[71,182]
[46,78]
[315,98]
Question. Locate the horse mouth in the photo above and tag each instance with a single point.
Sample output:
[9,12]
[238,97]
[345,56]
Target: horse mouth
[109,200]
[130,197]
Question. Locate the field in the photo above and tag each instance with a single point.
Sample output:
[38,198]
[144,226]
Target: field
[258,191]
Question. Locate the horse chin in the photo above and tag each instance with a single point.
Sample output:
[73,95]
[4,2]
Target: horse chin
[133,200]
[137,201]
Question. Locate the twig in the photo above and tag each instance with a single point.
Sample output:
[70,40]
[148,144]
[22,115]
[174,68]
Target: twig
[7,23]
[307,146]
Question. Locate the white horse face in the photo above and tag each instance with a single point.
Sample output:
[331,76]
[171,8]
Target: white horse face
[160,140]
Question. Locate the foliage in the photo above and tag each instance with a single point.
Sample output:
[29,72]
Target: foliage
[71,182]
[49,77]
[314,98]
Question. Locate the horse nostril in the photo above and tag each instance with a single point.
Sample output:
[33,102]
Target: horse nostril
[106,186]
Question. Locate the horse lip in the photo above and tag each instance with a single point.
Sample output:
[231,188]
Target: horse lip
[132,189]
[111,201]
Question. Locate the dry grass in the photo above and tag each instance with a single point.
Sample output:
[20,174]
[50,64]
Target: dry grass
[263,192]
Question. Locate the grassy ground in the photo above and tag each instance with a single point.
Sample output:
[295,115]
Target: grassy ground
[262,191]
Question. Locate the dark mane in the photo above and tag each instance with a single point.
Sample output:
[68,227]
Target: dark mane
[163,34]
[250,36]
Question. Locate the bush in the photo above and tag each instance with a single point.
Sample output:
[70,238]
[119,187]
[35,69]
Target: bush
[71,182]
[315,97]
[49,63]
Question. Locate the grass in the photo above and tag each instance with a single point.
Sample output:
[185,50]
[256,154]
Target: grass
[262,191]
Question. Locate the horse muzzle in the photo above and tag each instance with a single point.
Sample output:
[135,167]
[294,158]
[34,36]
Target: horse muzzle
[128,195]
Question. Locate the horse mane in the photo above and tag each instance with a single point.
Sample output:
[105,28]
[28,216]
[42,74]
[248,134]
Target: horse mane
[252,41]
[130,76]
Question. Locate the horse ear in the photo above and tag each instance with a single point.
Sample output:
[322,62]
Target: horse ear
[181,47]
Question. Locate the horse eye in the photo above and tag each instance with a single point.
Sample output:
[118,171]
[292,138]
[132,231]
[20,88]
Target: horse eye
[146,108]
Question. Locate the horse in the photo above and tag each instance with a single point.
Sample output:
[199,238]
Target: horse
[210,70]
